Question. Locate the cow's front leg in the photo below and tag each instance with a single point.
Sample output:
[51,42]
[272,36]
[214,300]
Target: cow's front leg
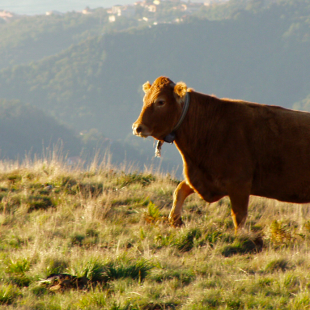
[180,194]
[239,209]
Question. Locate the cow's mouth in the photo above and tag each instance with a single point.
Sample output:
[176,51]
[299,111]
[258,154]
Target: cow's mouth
[141,135]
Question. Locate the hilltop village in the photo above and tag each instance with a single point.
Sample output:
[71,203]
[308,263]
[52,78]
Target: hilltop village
[157,11]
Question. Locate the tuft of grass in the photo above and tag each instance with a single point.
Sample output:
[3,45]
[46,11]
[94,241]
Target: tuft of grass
[19,266]
[20,280]
[8,294]
[164,240]
[93,270]
[135,178]
[280,264]
[184,277]
[39,290]
[92,232]
[38,202]
[17,272]
[55,265]
[14,177]
[186,241]
[213,237]
[10,202]
[127,268]
[153,213]
[89,239]
[243,245]
[77,239]
[89,189]
[94,299]
[280,232]
[160,306]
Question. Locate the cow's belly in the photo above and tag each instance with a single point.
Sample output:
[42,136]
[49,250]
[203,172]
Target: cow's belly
[283,194]
[295,190]
[209,196]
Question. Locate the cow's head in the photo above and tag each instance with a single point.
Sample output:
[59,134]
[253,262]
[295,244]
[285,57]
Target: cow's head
[162,108]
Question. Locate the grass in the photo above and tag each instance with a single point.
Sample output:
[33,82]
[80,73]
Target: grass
[109,229]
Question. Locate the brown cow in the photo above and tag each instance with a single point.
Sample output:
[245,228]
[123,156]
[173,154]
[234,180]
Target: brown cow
[229,147]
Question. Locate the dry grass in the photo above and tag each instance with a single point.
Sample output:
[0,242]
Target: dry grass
[111,227]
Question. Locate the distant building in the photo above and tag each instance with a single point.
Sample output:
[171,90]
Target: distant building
[7,15]
[152,8]
[117,10]
[141,3]
[128,10]
[48,13]
[183,7]
[112,18]
[87,11]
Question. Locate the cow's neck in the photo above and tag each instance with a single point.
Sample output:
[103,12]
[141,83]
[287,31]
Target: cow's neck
[194,137]
[171,136]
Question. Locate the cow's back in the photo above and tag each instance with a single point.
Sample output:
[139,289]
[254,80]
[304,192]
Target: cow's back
[279,140]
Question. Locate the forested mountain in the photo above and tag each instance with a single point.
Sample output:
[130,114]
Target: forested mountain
[31,38]
[251,50]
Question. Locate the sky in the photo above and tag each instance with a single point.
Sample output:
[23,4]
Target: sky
[33,7]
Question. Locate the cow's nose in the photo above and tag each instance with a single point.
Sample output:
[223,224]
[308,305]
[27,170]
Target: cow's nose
[137,129]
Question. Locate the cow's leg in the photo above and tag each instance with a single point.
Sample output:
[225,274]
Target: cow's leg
[180,194]
[239,209]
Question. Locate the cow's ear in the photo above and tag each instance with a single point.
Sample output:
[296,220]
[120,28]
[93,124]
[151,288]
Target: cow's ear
[146,86]
[180,89]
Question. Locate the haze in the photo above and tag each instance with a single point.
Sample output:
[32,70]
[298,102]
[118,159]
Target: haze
[32,7]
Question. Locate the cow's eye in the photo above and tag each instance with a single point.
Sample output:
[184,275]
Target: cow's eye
[160,103]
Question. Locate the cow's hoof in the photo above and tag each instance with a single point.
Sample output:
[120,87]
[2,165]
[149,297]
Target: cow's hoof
[176,221]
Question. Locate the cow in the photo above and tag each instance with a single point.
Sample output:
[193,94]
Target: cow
[229,147]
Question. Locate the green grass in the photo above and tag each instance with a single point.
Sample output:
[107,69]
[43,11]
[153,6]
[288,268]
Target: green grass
[111,227]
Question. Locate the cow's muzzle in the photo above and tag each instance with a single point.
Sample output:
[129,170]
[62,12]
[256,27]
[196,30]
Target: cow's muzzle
[140,130]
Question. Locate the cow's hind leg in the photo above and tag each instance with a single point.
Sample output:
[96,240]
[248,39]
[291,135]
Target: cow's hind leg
[239,209]
[180,194]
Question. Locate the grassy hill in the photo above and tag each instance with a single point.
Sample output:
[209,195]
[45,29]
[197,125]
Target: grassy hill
[109,228]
